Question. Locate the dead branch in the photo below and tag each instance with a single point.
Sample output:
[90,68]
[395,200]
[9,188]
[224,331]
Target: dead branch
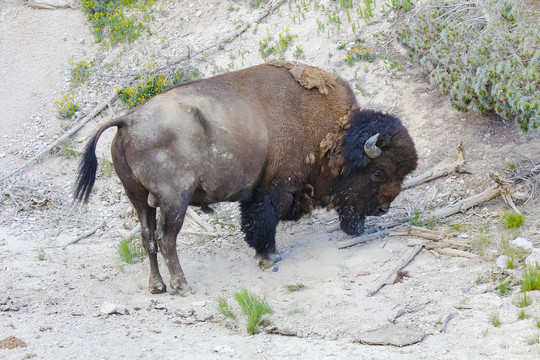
[456,253]
[198,220]
[85,235]
[408,310]
[440,170]
[444,322]
[364,238]
[502,188]
[391,272]
[436,239]
[467,203]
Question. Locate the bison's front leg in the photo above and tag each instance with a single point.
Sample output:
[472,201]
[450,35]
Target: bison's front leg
[259,221]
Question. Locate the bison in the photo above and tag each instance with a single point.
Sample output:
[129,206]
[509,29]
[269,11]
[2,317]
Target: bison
[280,138]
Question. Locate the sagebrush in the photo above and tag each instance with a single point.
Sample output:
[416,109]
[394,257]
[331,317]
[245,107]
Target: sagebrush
[483,56]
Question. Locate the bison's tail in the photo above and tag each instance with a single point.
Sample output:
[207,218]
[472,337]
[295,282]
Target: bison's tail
[88,167]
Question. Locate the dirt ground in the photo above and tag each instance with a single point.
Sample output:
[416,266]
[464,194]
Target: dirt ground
[51,295]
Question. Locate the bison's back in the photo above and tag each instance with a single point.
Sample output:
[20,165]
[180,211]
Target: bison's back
[298,105]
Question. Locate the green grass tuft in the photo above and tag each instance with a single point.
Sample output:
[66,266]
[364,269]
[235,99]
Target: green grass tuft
[295,287]
[224,308]
[254,307]
[531,279]
[512,220]
[503,287]
[129,249]
[523,301]
[495,321]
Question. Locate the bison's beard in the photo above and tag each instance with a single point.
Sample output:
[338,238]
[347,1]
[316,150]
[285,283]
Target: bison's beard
[352,225]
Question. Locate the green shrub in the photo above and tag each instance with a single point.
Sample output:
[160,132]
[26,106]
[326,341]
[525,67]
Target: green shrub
[67,106]
[152,85]
[485,59]
[224,308]
[80,72]
[268,46]
[108,20]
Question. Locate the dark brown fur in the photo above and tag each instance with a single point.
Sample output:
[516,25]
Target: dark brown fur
[280,138]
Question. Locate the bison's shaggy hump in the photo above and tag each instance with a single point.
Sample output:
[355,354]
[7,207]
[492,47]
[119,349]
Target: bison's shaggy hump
[309,76]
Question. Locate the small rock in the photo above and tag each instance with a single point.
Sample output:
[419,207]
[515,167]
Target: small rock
[522,243]
[395,335]
[110,308]
[502,261]
[199,303]
[533,259]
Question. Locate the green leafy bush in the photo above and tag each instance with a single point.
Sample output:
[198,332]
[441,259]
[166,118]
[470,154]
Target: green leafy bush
[110,22]
[483,57]
[152,85]
[67,107]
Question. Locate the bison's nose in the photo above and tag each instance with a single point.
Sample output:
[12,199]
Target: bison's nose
[383,209]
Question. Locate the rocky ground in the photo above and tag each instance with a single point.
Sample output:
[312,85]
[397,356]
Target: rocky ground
[52,295]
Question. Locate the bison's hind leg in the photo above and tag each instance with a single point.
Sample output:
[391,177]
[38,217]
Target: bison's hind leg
[259,221]
[138,195]
[168,227]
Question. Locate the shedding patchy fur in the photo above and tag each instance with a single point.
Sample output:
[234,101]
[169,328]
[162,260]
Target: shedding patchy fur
[309,76]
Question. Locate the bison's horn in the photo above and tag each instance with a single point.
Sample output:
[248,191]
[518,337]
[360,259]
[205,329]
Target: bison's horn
[370,147]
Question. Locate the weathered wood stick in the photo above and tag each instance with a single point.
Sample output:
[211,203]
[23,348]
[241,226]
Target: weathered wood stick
[391,272]
[363,238]
[391,224]
[446,319]
[455,252]
[467,203]
[440,170]
[197,219]
[85,235]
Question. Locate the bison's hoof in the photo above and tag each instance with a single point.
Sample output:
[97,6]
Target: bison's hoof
[156,286]
[180,287]
[266,263]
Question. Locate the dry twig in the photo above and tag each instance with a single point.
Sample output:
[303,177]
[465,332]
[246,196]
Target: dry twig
[405,259]
[85,235]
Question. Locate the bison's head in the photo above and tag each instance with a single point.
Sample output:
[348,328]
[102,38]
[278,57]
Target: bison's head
[378,153]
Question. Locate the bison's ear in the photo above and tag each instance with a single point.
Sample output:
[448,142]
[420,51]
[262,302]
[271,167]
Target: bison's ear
[359,148]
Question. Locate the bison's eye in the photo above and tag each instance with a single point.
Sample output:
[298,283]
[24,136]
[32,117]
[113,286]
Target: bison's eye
[377,177]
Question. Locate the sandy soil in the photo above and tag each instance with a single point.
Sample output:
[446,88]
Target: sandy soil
[50,296]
